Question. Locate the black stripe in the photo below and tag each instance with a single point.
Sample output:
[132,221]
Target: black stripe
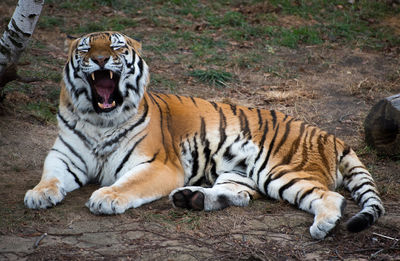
[377,209]
[273,115]
[262,146]
[202,129]
[222,127]
[72,173]
[76,132]
[79,91]
[242,164]
[359,197]
[372,197]
[306,193]
[287,186]
[73,163]
[260,121]
[284,137]
[324,159]
[161,126]
[244,124]
[264,164]
[140,75]
[193,100]
[359,186]
[133,88]
[293,150]
[345,152]
[179,98]
[214,105]
[168,114]
[205,142]
[127,155]
[73,151]
[336,158]
[233,108]
[228,156]
[195,157]
[159,97]
[355,167]
[131,128]
[152,98]
[312,134]
[304,153]
[352,175]
[150,160]
[266,183]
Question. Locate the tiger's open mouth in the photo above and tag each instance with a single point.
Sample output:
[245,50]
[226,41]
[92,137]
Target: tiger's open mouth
[104,84]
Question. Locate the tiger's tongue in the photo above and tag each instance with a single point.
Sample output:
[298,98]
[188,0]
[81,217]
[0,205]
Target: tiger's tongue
[104,88]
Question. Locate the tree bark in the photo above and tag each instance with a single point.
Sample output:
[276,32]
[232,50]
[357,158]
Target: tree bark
[382,126]
[16,36]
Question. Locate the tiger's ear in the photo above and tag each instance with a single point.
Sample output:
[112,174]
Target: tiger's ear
[69,40]
[135,43]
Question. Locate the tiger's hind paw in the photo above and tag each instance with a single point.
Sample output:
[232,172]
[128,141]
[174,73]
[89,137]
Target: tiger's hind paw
[188,199]
[320,229]
[46,194]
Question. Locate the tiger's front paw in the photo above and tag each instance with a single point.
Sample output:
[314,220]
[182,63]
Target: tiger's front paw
[107,201]
[46,194]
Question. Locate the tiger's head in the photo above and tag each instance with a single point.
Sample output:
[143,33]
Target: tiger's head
[105,77]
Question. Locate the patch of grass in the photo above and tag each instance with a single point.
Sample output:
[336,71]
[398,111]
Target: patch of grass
[43,111]
[49,22]
[339,21]
[293,37]
[212,77]
[247,60]
[160,82]
[230,18]
[105,24]
[90,4]
[247,32]
[162,43]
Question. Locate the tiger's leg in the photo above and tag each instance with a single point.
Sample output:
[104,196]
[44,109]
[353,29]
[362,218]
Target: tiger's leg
[142,184]
[230,189]
[310,195]
[62,172]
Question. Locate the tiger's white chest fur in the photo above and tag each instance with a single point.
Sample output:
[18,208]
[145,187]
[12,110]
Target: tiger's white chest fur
[102,150]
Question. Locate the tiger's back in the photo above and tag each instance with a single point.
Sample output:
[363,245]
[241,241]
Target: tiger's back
[142,146]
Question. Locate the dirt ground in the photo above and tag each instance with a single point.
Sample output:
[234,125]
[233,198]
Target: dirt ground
[333,88]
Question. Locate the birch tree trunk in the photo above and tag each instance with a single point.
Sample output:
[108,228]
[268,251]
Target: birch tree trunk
[16,36]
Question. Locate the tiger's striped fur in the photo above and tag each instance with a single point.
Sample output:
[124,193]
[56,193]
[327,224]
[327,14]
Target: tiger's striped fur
[141,146]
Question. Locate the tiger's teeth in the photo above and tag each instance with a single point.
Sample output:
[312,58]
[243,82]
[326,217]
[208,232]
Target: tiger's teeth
[113,104]
[92,76]
[100,105]
[111,74]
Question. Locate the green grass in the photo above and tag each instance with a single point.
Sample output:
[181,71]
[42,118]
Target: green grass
[49,22]
[339,21]
[294,37]
[159,81]
[105,24]
[42,111]
[212,77]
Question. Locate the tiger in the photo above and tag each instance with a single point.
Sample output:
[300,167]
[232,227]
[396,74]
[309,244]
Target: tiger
[140,146]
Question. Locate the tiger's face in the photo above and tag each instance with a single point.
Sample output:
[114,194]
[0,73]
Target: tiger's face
[105,76]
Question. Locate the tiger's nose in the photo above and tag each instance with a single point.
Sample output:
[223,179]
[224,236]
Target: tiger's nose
[100,60]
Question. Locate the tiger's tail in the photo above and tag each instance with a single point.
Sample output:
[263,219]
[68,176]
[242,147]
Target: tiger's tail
[362,187]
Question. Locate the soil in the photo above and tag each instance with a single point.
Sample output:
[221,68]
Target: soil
[333,88]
